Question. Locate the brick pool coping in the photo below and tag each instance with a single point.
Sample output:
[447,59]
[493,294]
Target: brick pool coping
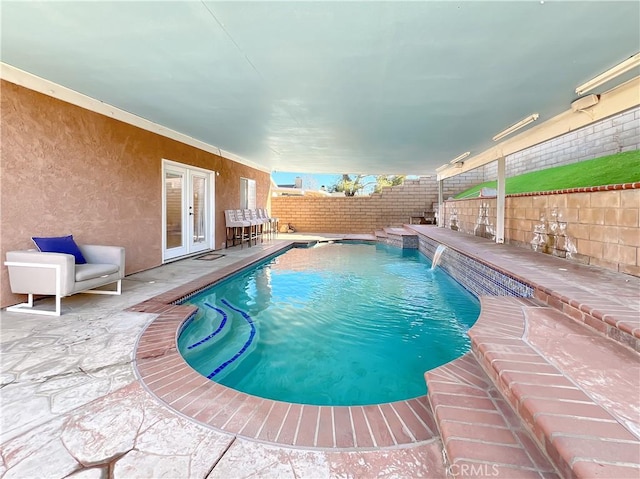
[163,371]
[572,425]
[589,301]
[166,375]
[565,418]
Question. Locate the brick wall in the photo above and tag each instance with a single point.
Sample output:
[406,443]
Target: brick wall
[612,135]
[620,132]
[603,225]
[358,214]
[456,184]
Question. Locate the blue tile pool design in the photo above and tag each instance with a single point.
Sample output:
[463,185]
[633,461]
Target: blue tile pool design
[216,332]
[321,326]
[252,334]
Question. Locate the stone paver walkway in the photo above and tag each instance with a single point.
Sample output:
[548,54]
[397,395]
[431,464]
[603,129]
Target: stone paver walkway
[73,405]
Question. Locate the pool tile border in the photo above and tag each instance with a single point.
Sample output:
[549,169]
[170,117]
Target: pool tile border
[479,278]
[165,374]
[619,323]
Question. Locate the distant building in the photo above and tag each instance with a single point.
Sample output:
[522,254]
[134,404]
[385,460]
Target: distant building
[296,190]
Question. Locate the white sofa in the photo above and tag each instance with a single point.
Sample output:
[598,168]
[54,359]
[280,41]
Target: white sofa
[33,272]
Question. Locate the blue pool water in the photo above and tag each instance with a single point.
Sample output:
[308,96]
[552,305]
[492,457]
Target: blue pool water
[335,324]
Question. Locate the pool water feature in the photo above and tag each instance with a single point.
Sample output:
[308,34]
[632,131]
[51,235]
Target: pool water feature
[337,324]
[437,255]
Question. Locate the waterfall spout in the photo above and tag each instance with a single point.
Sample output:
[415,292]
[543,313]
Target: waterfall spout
[437,255]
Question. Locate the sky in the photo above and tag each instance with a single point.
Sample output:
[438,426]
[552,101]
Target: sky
[314,181]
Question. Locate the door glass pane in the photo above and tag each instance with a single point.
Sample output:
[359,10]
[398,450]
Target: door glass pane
[197,208]
[247,194]
[251,194]
[174,187]
[244,193]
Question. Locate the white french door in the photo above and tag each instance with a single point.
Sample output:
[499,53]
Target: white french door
[187,210]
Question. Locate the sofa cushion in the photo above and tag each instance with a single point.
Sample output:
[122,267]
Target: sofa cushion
[94,270]
[60,244]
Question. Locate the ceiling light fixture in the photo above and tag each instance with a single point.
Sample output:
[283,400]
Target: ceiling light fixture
[443,167]
[623,67]
[522,123]
[460,158]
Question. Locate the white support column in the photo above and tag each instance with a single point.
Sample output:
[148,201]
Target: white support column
[440,221]
[501,201]
[440,205]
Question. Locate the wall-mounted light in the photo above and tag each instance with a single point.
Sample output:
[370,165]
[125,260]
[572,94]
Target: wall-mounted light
[623,67]
[460,157]
[582,104]
[522,123]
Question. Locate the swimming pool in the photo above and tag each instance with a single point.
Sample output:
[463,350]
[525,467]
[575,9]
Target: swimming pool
[337,324]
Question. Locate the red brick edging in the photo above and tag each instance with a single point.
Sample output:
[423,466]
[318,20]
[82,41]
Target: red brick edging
[551,406]
[164,373]
[584,189]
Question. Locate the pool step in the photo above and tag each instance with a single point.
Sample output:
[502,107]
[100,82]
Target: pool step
[399,237]
[559,388]
[481,434]
[360,237]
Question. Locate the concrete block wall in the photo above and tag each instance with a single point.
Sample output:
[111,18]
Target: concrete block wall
[467,215]
[359,214]
[620,132]
[456,184]
[604,234]
[604,224]
[612,135]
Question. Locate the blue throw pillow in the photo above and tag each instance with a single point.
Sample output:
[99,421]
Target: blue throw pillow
[61,244]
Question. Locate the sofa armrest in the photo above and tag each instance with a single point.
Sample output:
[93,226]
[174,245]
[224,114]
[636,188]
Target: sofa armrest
[103,254]
[34,278]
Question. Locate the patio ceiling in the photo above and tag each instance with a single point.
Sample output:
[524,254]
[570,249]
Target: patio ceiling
[360,87]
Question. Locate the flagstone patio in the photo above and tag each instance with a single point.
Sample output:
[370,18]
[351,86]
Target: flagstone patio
[74,404]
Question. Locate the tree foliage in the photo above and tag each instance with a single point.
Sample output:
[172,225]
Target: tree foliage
[382,181]
[349,186]
[354,186]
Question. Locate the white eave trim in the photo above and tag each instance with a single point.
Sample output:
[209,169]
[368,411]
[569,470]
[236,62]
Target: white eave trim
[616,100]
[49,88]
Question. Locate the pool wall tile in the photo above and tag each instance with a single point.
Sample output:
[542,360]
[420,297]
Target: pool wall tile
[479,279]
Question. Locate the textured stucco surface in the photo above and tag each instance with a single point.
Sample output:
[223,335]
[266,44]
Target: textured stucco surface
[66,170]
